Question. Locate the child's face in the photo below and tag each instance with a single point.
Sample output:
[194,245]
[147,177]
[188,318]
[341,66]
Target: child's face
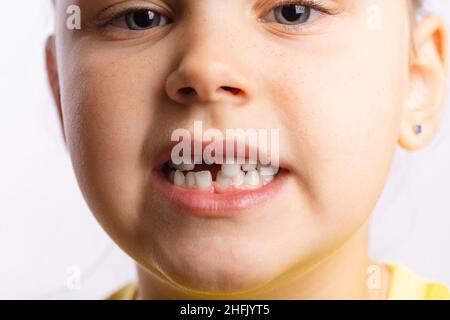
[335,85]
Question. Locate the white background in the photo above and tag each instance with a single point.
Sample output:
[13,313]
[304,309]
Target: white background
[47,233]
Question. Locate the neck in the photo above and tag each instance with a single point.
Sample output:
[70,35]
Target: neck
[343,274]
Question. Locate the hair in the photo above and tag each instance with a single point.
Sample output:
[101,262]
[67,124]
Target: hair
[416,7]
[417,4]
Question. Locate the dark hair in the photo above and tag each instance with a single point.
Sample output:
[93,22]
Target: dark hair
[417,5]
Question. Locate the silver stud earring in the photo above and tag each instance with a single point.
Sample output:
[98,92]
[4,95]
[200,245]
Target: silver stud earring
[418,129]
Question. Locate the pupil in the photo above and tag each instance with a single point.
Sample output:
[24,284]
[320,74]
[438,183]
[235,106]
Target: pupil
[143,19]
[293,12]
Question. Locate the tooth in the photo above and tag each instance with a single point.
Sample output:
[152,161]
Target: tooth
[252,179]
[178,178]
[190,180]
[230,170]
[184,166]
[223,182]
[248,167]
[238,179]
[171,176]
[267,179]
[187,167]
[267,170]
[203,180]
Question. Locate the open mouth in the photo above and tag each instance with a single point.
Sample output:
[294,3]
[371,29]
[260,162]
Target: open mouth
[213,190]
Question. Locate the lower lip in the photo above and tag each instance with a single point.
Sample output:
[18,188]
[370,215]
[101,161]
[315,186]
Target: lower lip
[209,204]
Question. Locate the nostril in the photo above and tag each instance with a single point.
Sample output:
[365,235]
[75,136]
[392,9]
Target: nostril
[186,91]
[234,91]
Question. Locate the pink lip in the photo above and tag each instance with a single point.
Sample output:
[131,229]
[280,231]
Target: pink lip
[166,153]
[209,204]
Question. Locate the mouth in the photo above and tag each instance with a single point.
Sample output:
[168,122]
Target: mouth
[215,189]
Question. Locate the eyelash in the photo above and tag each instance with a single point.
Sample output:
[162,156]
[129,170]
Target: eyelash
[316,5]
[123,14]
[313,4]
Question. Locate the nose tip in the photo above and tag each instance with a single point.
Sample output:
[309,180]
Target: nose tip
[203,81]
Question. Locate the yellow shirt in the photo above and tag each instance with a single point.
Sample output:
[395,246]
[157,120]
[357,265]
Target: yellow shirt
[407,286]
[404,286]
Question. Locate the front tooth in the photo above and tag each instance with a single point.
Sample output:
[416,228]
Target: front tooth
[230,170]
[223,182]
[252,179]
[267,170]
[238,179]
[190,180]
[203,180]
[248,167]
[178,178]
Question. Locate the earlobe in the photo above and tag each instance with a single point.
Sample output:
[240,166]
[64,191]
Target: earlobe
[53,79]
[428,84]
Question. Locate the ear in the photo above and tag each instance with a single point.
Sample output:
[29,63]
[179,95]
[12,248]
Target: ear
[428,84]
[53,79]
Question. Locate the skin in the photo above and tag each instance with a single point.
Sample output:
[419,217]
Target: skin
[343,93]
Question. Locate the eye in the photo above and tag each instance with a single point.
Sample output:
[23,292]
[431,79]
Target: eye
[291,14]
[140,20]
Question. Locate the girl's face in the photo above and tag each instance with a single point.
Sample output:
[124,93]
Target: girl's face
[334,79]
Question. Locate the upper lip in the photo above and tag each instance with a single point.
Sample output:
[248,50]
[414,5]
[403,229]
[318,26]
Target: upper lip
[165,155]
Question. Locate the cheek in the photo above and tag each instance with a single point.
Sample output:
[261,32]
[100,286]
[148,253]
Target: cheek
[344,106]
[109,105]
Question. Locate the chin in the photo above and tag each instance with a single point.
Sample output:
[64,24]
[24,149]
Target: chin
[225,271]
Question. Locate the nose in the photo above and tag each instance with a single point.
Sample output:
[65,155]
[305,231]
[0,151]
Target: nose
[208,74]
